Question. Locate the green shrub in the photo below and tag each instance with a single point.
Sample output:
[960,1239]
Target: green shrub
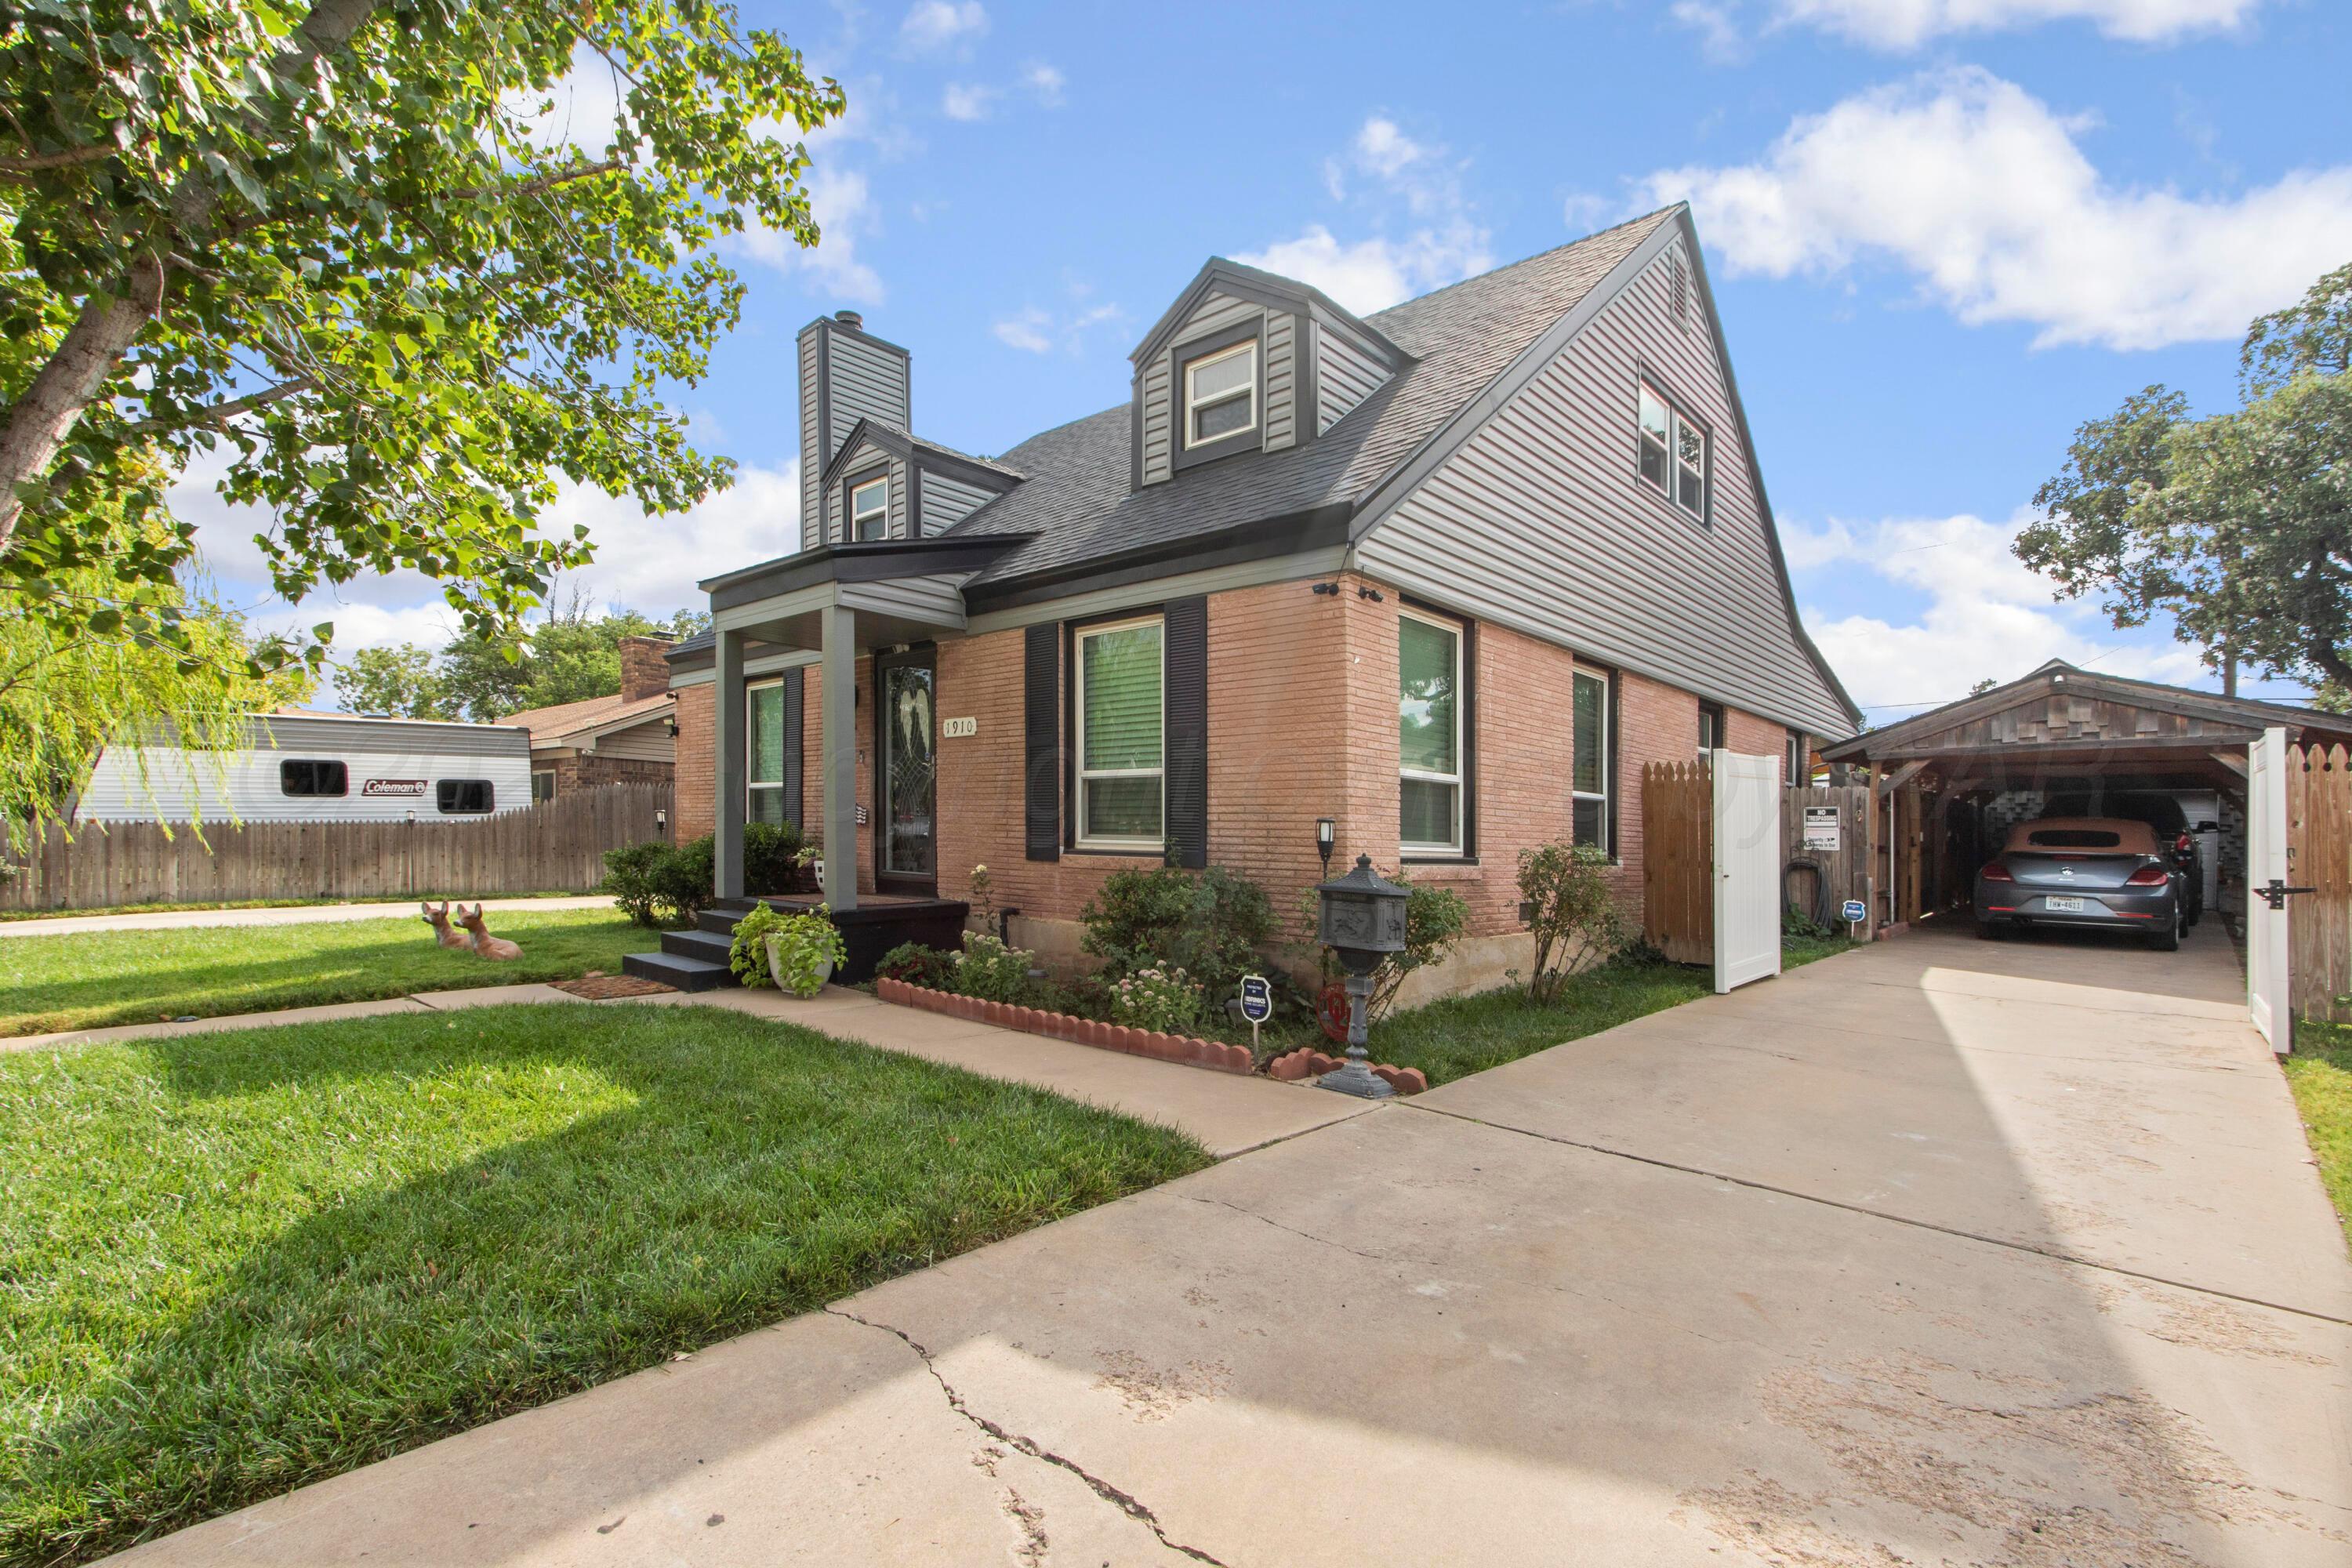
[916,964]
[1166,1000]
[774,857]
[629,876]
[989,969]
[1209,923]
[1435,919]
[1572,911]
[658,884]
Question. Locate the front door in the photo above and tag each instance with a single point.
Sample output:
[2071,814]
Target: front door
[906,849]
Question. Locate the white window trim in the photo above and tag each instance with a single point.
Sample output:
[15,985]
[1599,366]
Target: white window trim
[751,691]
[854,512]
[1192,367]
[1082,839]
[1607,844]
[1676,423]
[1457,778]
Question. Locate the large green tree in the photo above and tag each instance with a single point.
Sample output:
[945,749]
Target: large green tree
[337,238]
[569,656]
[2238,525]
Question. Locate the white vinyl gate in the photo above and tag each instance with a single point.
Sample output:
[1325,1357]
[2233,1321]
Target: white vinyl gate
[2266,948]
[1747,868]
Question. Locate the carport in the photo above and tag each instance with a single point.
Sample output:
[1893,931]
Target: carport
[1952,779]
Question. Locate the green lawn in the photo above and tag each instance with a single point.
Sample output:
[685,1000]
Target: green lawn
[50,982]
[237,1263]
[2320,1073]
[1462,1034]
[163,907]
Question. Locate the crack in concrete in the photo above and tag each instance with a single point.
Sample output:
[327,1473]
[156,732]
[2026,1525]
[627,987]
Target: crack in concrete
[1125,1502]
[2056,1255]
[1293,1230]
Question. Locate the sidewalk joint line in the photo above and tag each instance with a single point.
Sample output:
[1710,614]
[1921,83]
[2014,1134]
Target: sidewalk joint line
[2051,1253]
[1125,1502]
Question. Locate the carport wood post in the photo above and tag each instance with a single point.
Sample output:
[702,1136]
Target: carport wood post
[838,681]
[728,717]
[2319,855]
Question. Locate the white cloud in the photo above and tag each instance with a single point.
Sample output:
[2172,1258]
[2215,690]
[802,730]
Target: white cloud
[1026,331]
[1986,614]
[844,209]
[967,101]
[936,24]
[1718,34]
[1982,190]
[1045,83]
[1392,176]
[1908,24]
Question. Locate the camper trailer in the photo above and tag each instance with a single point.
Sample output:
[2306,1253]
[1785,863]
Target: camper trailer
[319,767]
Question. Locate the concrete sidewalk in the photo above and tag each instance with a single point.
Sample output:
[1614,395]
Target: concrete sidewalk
[281,915]
[1917,1255]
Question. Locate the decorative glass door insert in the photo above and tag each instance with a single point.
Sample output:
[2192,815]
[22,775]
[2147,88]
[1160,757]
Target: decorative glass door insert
[910,772]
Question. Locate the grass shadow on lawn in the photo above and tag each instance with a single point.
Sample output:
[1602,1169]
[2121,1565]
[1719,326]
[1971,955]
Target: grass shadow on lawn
[52,982]
[239,1263]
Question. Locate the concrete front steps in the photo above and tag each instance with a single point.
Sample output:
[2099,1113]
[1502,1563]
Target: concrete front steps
[696,960]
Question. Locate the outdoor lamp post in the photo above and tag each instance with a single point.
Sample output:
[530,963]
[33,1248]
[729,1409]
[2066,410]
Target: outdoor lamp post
[1326,832]
[1362,922]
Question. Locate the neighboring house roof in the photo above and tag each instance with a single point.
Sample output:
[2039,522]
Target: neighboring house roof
[1079,498]
[2060,678]
[572,724]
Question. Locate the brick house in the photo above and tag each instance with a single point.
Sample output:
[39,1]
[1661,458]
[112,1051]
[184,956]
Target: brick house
[626,738]
[1448,574]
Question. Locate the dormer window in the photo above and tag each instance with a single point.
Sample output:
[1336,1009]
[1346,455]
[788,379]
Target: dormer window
[870,508]
[1221,395]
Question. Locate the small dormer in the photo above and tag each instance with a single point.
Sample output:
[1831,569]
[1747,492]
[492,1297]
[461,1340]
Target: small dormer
[1248,362]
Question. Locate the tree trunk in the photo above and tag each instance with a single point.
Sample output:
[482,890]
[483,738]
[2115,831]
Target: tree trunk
[38,423]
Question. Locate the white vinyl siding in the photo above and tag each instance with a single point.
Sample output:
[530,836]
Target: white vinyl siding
[1119,706]
[1349,375]
[1430,782]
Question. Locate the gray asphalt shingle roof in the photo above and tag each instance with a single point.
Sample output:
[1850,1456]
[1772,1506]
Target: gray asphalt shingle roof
[1077,499]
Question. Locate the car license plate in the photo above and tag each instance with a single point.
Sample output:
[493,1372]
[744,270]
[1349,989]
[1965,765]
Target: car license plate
[2059,904]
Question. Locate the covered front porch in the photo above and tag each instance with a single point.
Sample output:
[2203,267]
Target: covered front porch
[822,611]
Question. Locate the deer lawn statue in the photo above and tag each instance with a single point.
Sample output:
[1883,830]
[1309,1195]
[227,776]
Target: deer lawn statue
[483,942]
[439,921]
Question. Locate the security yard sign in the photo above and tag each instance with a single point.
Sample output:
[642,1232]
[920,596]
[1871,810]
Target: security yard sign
[1257,1003]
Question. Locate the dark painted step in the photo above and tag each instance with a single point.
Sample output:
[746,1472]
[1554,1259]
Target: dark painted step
[685,974]
[712,947]
[720,922]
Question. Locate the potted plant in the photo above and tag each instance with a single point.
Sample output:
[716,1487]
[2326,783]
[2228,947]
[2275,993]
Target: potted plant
[796,953]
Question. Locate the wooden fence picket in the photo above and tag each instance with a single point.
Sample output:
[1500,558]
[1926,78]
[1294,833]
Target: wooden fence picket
[2319,856]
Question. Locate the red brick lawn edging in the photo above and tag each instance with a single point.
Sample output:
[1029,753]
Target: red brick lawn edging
[1190,1051]
[1308,1062]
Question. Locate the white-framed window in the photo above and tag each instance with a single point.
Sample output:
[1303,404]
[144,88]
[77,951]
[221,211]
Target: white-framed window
[1796,761]
[1429,734]
[763,752]
[869,509]
[1221,395]
[1120,711]
[1591,779]
[1710,728]
[1670,452]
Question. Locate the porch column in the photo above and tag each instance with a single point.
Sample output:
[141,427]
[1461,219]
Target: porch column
[729,767]
[837,678]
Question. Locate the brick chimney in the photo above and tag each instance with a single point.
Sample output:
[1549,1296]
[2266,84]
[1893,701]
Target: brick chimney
[644,671]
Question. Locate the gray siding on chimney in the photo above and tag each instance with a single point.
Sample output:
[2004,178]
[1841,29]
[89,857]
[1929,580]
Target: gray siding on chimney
[1540,521]
[869,382]
[1159,394]
[1347,375]
[947,501]
[809,469]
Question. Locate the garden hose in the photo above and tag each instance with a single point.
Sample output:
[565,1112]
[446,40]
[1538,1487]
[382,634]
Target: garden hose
[1824,914]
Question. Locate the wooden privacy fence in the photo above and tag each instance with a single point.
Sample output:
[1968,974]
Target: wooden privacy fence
[1678,853]
[555,845]
[2319,856]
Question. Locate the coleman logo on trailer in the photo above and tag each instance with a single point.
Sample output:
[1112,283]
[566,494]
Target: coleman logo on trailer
[392,786]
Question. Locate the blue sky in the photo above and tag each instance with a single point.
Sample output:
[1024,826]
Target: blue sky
[1941,233]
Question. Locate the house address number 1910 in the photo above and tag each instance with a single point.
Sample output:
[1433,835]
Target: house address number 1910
[955,729]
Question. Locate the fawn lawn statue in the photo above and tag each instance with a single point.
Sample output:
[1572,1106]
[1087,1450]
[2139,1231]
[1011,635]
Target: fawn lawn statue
[481,941]
[439,921]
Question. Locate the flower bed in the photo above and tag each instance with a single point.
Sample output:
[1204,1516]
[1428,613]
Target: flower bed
[1308,1062]
[1184,1049]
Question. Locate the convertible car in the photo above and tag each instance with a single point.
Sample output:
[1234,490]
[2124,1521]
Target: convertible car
[2082,871]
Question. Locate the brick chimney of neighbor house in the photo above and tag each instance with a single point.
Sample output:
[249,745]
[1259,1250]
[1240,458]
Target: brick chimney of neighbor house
[846,374]
[644,671]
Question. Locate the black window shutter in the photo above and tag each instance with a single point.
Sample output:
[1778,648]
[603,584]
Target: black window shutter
[791,722]
[1186,642]
[1041,651]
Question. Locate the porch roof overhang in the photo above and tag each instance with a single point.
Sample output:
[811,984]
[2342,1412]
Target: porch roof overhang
[903,590]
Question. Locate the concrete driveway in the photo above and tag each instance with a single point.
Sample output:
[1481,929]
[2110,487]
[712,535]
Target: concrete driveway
[1940,1252]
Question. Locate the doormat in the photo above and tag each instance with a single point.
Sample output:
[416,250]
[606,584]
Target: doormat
[610,987]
